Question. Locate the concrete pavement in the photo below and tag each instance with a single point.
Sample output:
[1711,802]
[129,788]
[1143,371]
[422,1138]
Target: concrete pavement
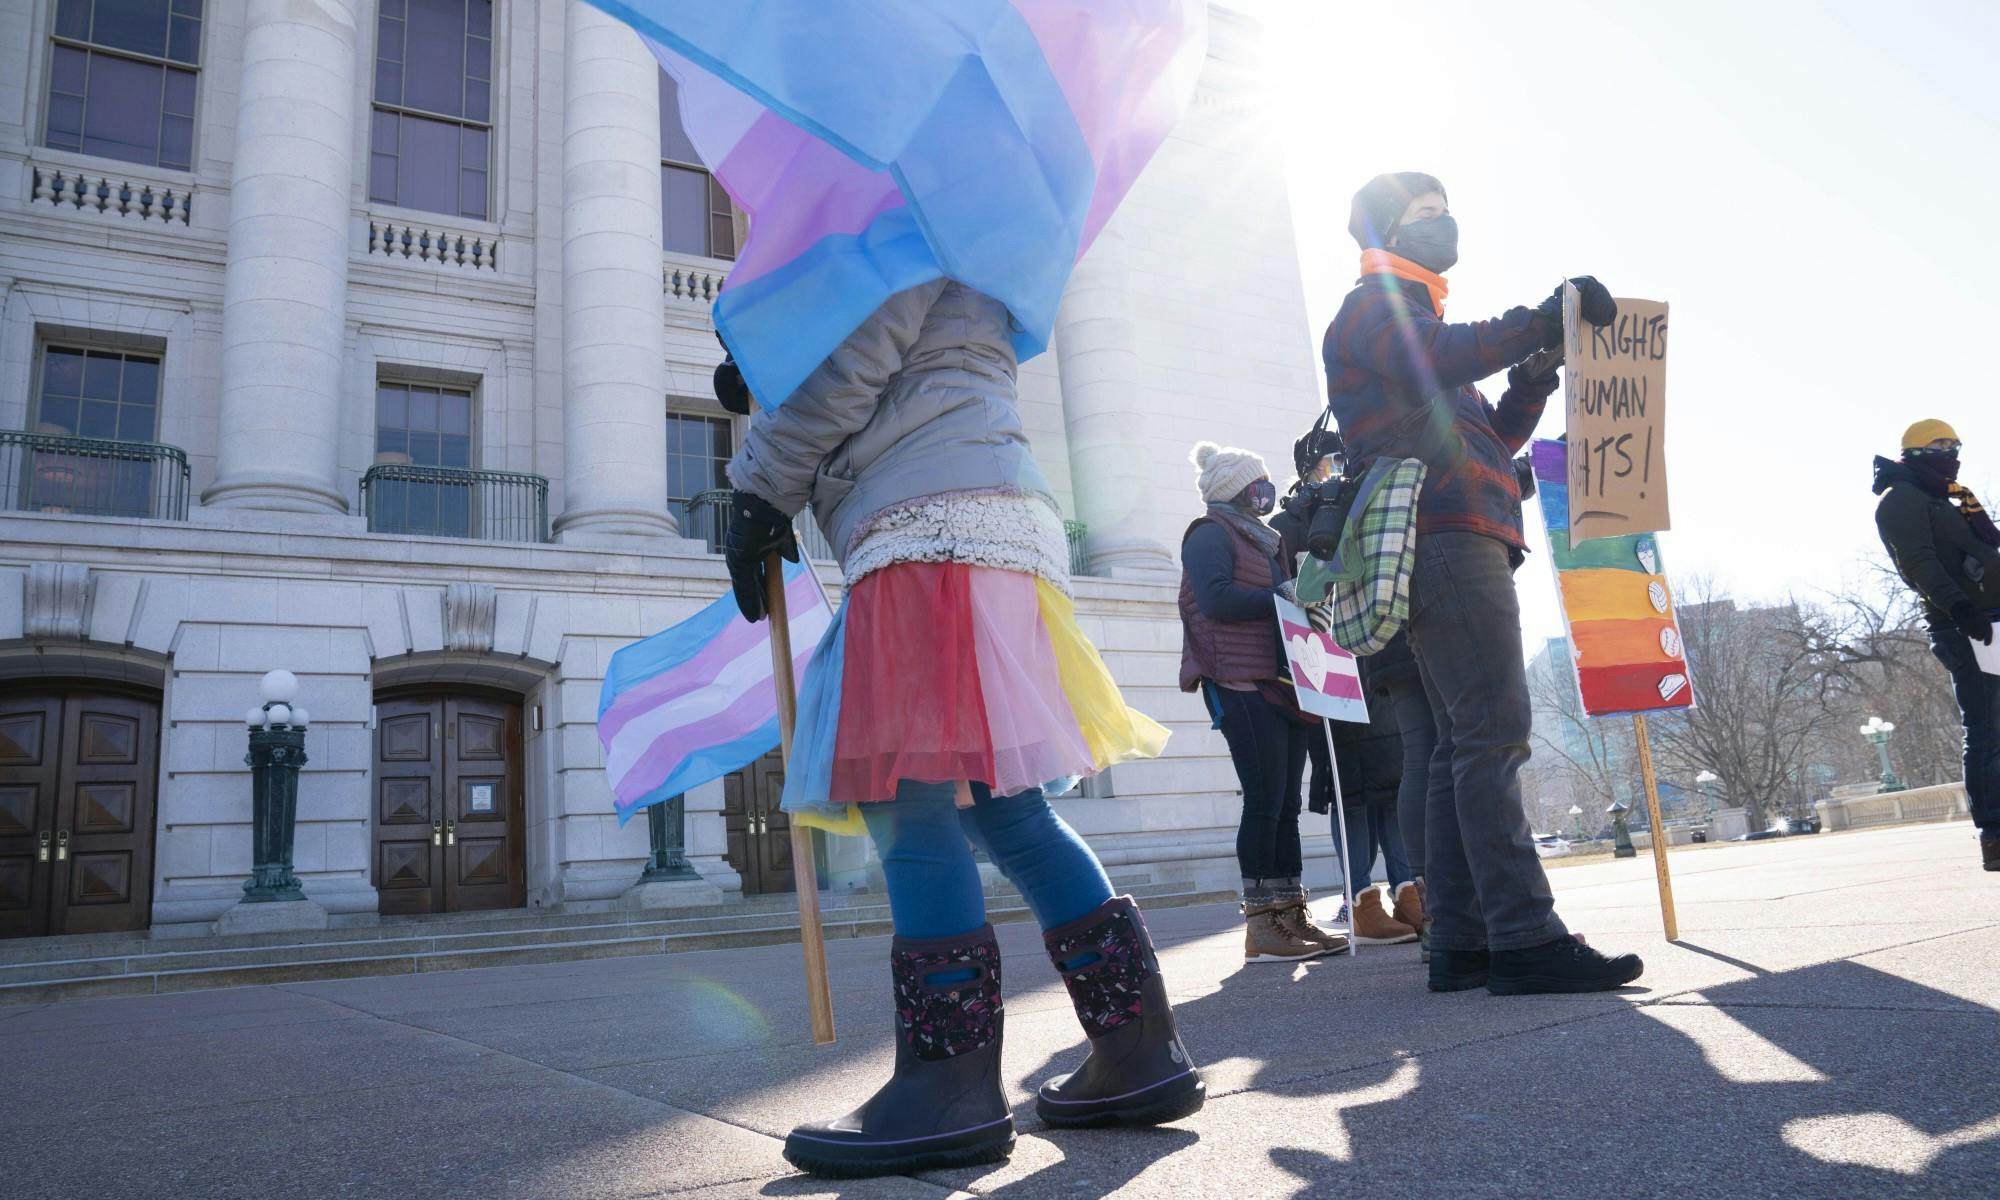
[1827,1026]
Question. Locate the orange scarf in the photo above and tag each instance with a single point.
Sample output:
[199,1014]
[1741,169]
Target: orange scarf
[1381,262]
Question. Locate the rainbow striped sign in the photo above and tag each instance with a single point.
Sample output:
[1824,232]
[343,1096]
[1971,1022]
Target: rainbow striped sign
[1622,630]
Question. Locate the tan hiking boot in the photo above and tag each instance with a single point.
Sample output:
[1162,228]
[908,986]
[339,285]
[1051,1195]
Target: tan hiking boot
[1266,939]
[1373,926]
[1298,921]
[1409,908]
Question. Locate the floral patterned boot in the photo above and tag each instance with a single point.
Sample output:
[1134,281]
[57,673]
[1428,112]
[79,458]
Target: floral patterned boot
[943,1106]
[1138,1072]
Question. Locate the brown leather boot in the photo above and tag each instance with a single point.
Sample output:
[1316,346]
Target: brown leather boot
[1373,926]
[1267,940]
[1409,908]
[1298,921]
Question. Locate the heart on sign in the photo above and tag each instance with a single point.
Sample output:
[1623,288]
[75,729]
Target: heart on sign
[1649,556]
[1310,656]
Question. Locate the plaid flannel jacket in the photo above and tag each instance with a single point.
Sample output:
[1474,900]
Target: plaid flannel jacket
[1400,383]
[1364,607]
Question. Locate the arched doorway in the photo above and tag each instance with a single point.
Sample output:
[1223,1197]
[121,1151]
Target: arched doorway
[449,806]
[79,780]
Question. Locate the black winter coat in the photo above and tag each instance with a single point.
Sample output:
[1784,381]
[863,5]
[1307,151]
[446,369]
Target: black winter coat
[1933,546]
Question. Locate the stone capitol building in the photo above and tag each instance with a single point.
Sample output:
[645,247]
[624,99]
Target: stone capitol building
[371,341]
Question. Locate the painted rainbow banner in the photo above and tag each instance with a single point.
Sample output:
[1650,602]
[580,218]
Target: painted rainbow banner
[1622,630]
[880,144]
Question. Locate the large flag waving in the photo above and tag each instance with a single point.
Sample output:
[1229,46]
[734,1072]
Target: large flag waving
[695,702]
[880,144]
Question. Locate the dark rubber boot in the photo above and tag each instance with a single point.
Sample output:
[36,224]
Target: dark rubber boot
[943,1107]
[1138,1072]
[1989,851]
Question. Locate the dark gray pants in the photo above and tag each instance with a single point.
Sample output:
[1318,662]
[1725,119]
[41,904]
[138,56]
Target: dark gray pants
[1484,887]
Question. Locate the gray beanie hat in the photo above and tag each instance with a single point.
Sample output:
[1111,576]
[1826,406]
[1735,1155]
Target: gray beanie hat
[1225,471]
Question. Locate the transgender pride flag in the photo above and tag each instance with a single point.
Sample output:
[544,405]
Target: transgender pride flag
[880,144]
[695,702]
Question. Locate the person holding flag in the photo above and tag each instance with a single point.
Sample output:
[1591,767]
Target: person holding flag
[908,247]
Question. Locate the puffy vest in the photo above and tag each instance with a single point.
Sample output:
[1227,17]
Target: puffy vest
[1229,651]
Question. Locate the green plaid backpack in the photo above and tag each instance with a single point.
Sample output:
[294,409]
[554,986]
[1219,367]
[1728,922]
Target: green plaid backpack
[1361,597]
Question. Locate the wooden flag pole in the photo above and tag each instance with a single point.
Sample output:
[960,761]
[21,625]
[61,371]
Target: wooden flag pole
[819,992]
[1667,917]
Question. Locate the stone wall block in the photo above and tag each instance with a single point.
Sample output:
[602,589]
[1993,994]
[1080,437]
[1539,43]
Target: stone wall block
[470,611]
[57,600]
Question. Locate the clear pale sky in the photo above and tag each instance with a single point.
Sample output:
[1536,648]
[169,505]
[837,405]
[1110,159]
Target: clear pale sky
[1811,186]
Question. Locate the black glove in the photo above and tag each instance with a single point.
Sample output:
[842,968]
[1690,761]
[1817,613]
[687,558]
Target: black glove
[755,529]
[1594,304]
[1536,369]
[1524,475]
[1972,623]
[730,389]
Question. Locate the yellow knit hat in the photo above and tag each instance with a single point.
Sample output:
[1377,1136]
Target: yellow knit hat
[1923,433]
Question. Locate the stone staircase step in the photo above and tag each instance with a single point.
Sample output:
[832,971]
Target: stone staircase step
[458,948]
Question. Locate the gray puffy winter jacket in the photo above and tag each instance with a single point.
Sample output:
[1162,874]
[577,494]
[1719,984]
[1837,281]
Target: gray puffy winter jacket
[917,401]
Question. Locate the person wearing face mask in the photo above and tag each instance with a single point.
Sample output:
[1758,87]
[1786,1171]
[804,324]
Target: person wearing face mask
[1232,564]
[1401,382]
[1947,549]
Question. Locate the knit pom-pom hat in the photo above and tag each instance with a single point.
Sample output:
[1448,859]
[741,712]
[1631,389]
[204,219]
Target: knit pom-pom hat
[1225,471]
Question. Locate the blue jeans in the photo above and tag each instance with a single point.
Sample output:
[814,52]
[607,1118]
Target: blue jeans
[1371,828]
[1979,705]
[1269,750]
[1484,887]
[1418,729]
[933,883]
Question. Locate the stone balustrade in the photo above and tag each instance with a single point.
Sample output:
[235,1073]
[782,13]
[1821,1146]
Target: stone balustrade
[401,240]
[692,283]
[93,191]
[1944,802]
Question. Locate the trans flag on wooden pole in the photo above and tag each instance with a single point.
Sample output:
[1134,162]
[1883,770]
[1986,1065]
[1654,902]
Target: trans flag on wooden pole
[696,702]
[880,144]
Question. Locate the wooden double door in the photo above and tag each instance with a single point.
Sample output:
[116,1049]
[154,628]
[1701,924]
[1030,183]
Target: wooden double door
[759,833]
[79,773]
[449,810]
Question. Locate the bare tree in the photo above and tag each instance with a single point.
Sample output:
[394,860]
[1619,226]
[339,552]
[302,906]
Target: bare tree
[1579,760]
[1763,696]
[1871,634]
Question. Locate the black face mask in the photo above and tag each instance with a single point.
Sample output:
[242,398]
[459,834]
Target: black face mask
[1939,465]
[1261,497]
[1431,244]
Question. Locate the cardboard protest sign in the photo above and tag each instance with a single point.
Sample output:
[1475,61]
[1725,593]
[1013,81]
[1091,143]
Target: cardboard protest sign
[1987,654]
[1615,389]
[1327,678]
[1623,634]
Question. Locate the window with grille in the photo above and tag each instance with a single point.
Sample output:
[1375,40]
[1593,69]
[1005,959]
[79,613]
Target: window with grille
[698,448]
[107,395]
[122,80]
[430,147]
[695,214]
[419,426]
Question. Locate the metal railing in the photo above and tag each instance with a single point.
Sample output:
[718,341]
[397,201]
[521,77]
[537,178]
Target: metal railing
[92,477]
[1079,562]
[489,506]
[706,517]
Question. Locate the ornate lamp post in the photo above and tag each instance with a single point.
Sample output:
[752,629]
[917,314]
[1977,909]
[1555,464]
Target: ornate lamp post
[1576,819]
[277,751]
[1621,833]
[1708,798]
[1877,732]
[666,823]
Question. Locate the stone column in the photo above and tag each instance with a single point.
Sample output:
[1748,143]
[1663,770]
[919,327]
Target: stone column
[1111,472]
[284,292]
[614,322]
